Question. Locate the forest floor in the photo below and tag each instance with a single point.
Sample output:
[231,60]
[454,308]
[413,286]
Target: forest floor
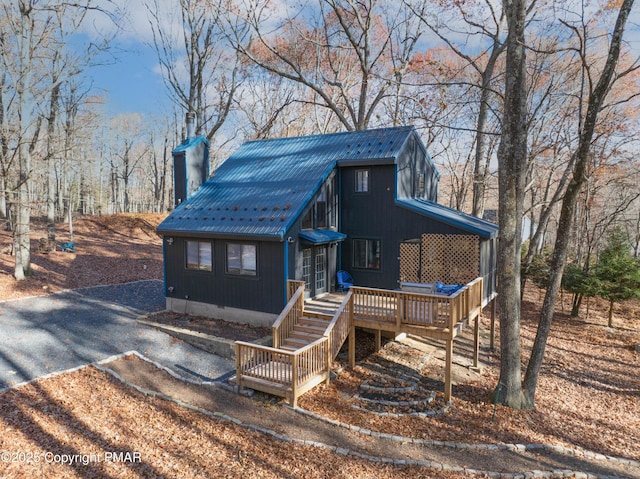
[588,397]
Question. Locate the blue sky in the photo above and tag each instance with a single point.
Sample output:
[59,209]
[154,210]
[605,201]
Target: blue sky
[132,85]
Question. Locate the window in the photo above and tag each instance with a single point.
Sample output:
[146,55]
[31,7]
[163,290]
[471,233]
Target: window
[306,268]
[241,259]
[362,181]
[199,255]
[324,209]
[307,221]
[321,209]
[421,184]
[366,253]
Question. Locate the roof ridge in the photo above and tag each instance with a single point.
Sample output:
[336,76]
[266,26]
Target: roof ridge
[337,133]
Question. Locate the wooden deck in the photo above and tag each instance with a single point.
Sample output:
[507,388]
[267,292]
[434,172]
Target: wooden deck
[308,335]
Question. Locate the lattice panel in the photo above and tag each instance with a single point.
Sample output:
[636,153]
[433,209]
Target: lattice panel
[410,262]
[450,258]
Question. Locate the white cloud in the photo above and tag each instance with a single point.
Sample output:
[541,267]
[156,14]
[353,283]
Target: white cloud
[129,20]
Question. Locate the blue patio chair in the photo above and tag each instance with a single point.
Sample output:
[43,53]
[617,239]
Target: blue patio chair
[345,281]
[447,289]
[68,247]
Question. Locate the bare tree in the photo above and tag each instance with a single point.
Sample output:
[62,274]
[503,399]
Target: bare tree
[598,90]
[512,157]
[485,21]
[350,59]
[199,72]
[128,150]
[33,35]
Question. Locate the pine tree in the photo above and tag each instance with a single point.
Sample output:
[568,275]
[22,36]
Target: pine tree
[618,273]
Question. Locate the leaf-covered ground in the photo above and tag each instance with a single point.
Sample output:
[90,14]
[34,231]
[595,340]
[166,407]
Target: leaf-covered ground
[588,396]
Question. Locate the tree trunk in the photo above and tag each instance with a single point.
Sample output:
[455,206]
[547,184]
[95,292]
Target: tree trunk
[611,313]
[22,244]
[480,169]
[567,215]
[22,241]
[512,157]
[3,198]
[50,171]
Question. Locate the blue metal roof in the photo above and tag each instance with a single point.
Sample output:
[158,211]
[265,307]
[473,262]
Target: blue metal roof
[321,236]
[262,188]
[455,218]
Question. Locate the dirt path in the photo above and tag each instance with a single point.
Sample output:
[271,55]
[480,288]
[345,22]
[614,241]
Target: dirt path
[263,414]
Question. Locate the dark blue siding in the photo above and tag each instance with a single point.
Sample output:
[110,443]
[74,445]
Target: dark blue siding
[374,215]
[263,292]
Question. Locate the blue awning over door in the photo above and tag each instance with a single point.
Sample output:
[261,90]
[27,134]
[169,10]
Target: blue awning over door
[321,236]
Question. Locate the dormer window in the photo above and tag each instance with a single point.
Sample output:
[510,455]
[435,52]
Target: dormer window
[362,181]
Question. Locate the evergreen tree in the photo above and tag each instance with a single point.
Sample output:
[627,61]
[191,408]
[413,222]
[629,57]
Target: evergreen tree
[617,272]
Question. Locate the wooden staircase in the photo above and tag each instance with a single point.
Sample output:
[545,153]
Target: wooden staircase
[304,332]
[305,343]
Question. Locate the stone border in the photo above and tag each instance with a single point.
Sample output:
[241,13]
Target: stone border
[382,389]
[384,402]
[487,447]
[422,414]
[378,459]
[424,442]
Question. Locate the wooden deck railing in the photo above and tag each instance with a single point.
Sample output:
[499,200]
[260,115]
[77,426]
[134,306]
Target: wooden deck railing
[264,363]
[289,317]
[284,373]
[292,287]
[339,327]
[292,373]
[397,308]
[376,304]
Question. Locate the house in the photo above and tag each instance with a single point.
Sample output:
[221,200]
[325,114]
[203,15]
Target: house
[305,207]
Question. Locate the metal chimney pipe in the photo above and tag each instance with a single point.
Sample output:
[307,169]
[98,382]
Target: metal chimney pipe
[191,125]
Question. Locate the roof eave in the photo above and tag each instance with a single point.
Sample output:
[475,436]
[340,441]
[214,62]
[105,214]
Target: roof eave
[485,233]
[222,235]
[389,160]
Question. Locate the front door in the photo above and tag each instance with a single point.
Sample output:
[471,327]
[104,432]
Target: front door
[320,270]
[307,271]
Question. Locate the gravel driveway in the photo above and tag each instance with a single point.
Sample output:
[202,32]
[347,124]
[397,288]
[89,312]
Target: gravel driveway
[46,334]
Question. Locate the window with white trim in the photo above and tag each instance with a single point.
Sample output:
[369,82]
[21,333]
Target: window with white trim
[242,259]
[367,253]
[199,255]
[362,181]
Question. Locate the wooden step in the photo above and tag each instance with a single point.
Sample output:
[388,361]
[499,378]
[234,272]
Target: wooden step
[305,335]
[296,343]
[312,325]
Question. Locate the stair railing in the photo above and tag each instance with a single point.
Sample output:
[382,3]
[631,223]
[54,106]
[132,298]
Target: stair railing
[289,317]
[339,327]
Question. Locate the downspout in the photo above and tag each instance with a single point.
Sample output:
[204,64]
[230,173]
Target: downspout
[286,266]
[164,269]
[339,213]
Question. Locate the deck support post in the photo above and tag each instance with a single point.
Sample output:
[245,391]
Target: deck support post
[476,341]
[352,346]
[329,361]
[294,382]
[378,334]
[447,369]
[493,325]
